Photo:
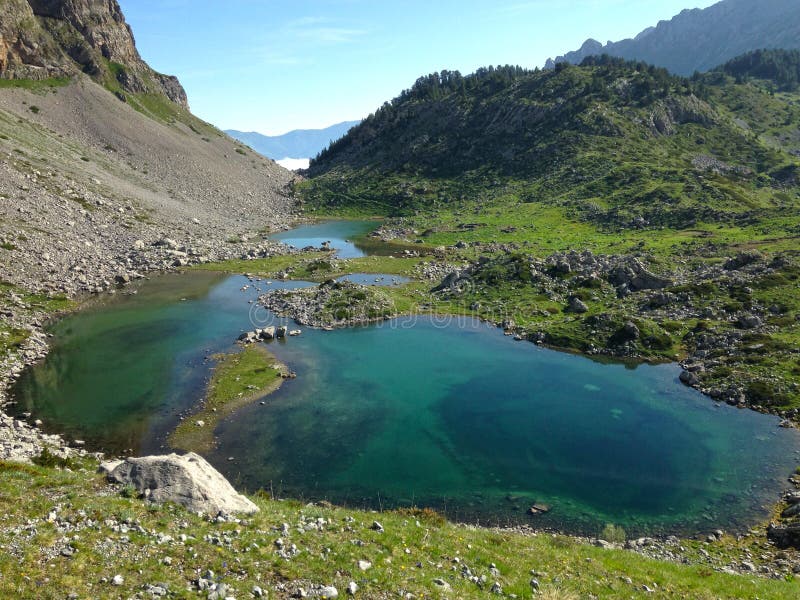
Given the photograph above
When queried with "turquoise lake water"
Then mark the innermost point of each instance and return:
(427, 412)
(438, 412)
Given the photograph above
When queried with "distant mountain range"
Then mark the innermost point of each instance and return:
(297, 144)
(699, 40)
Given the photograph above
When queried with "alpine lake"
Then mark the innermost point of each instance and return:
(428, 411)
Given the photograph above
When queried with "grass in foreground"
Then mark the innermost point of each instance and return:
(239, 379)
(96, 533)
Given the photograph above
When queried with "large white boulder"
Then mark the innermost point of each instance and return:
(187, 480)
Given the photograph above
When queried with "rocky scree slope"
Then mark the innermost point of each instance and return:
(91, 187)
(105, 176)
(698, 40)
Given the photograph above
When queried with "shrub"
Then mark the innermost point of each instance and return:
(48, 459)
(613, 533)
(427, 515)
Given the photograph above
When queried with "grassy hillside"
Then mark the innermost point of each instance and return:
(610, 142)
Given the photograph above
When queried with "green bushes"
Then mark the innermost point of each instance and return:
(613, 533)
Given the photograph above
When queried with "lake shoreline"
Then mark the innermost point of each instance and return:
(39, 355)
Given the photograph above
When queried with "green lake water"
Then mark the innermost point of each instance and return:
(429, 411)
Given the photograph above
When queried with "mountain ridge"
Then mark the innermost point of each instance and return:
(701, 39)
(298, 143)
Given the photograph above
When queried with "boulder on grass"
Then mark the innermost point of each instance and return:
(187, 480)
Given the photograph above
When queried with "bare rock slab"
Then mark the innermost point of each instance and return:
(188, 480)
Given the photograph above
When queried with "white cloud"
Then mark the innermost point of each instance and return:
(321, 30)
(293, 164)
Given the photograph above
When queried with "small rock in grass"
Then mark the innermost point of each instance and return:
(117, 580)
(328, 592)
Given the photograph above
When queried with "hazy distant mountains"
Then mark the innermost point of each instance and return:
(301, 143)
(699, 40)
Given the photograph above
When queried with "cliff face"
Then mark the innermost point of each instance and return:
(57, 38)
(699, 40)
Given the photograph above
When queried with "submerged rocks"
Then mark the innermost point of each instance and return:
(539, 509)
(186, 480)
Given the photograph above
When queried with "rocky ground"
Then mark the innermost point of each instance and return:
(331, 304)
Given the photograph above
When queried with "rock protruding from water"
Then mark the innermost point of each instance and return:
(784, 536)
(188, 480)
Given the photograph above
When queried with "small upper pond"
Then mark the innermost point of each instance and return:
(347, 237)
(426, 411)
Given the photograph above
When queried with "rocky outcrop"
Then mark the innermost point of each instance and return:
(187, 480)
(787, 536)
(57, 38)
(667, 115)
(26, 51)
(633, 276)
(331, 304)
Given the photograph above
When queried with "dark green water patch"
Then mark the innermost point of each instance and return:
(430, 412)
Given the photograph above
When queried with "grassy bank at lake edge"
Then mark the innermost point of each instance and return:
(239, 378)
(66, 531)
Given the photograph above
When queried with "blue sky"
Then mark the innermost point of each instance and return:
(276, 65)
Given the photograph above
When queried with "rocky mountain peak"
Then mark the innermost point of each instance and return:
(57, 38)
